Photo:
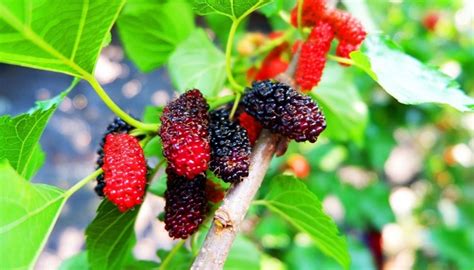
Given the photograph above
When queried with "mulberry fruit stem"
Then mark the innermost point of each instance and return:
(115, 108)
(236, 87)
(299, 17)
(341, 60)
(220, 101)
(82, 183)
(235, 106)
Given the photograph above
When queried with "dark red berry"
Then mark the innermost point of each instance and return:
(252, 126)
(186, 204)
(117, 126)
(125, 171)
(313, 56)
(184, 133)
(230, 147)
(281, 109)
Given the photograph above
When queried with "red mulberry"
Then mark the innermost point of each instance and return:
(312, 11)
(230, 148)
(281, 109)
(186, 204)
(125, 171)
(117, 126)
(313, 56)
(184, 133)
(348, 30)
(252, 126)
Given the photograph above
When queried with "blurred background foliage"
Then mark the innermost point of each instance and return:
(401, 187)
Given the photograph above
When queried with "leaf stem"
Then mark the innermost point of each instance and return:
(115, 108)
(82, 183)
(228, 56)
(341, 59)
(167, 260)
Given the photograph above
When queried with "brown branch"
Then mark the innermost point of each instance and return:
(228, 218)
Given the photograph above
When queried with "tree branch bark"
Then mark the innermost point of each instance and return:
(229, 216)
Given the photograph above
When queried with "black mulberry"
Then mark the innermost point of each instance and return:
(281, 109)
(230, 147)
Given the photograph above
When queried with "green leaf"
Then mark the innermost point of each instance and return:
(407, 79)
(28, 213)
(291, 199)
(152, 114)
(19, 136)
(197, 63)
(158, 187)
(110, 236)
(230, 8)
(342, 105)
(56, 35)
(150, 31)
(243, 255)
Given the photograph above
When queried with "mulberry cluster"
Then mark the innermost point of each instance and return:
(251, 125)
(327, 24)
(186, 204)
(125, 170)
(117, 126)
(313, 56)
(184, 133)
(230, 147)
(281, 109)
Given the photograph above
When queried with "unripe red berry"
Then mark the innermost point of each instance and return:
(313, 56)
(124, 171)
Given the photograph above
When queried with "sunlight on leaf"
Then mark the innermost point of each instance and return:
(57, 35)
(230, 8)
(28, 213)
(407, 79)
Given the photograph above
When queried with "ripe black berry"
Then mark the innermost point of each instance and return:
(281, 109)
(230, 147)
